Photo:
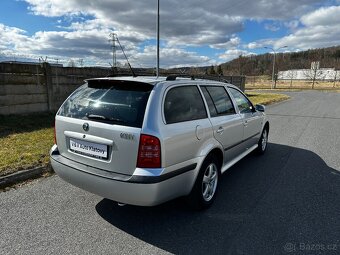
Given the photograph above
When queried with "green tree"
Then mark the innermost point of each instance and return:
(219, 70)
(336, 54)
(212, 70)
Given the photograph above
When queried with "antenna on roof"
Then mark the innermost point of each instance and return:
(157, 69)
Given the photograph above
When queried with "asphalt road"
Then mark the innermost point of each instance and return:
(285, 202)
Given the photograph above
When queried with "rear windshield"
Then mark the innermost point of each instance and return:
(114, 102)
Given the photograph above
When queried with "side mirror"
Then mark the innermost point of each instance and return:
(260, 107)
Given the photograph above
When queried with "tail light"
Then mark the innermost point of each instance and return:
(149, 152)
(55, 136)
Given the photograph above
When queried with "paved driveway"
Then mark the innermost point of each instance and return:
(285, 202)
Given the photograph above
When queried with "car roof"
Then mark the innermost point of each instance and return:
(153, 80)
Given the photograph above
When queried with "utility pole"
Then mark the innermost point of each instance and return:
(157, 69)
(114, 57)
(273, 73)
(114, 60)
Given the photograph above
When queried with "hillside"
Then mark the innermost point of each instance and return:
(262, 64)
(257, 65)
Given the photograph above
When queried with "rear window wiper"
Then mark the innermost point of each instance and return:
(104, 118)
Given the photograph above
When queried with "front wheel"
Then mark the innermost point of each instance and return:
(263, 142)
(204, 190)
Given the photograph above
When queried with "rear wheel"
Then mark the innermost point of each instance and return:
(263, 142)
(204, 191)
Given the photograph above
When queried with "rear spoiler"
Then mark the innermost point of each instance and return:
(118, 84)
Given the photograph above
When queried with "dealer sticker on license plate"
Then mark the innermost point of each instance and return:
(87, 148)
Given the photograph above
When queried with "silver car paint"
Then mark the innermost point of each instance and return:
(182, 144)
(67, 128)
(253, 124)
(126, 192)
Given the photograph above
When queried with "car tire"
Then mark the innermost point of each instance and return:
(263, 142)
(205, 188)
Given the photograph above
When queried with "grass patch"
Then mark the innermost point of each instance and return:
(265, 82)
(25, 141)
(275, 90)
(266, 98)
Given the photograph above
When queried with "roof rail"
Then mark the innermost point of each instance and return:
(213, 78)
(173, 77)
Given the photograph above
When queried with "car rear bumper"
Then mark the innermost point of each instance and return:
(135, 190)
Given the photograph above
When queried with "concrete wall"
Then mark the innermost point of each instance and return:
(22, 89)
(27, 88)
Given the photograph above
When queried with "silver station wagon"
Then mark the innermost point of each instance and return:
(146, 140)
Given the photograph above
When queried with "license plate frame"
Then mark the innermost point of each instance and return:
(90, 149)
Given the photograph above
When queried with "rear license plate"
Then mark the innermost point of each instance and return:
(87, 148)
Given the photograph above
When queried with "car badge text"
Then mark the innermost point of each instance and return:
(127, 136)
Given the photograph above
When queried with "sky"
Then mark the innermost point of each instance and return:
(193, 32)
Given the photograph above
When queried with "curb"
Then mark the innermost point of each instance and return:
(23, 175)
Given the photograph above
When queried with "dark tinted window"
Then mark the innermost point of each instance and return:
(221, 99)
(183, 104)
(242, 102)
(212, 108)
(115, 102)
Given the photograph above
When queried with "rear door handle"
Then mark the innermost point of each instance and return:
(245, 122)
(220, 130)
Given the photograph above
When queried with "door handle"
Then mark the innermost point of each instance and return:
(245, 122)
(220, 130)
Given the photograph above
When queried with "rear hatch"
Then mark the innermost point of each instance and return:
(99, 125)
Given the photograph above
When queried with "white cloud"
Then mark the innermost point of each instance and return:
(169, 57)
(326, 16)
(93, 44)
(183, 24)
(253, 45)
(191, 22)
(10, 35)
(311, 37)
(321, 29)
(231, 44)
(271, 27)
(316, 29)
(292, 25)
(260, 44)
(53, 8)
(268, 9)
(232, 54)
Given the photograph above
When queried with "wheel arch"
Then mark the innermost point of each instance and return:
(218, 154)
(266, 125)
(194, 198)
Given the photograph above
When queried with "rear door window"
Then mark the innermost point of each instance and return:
(109, 101)
(218, 100)
(183, 104)
(211, 105)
